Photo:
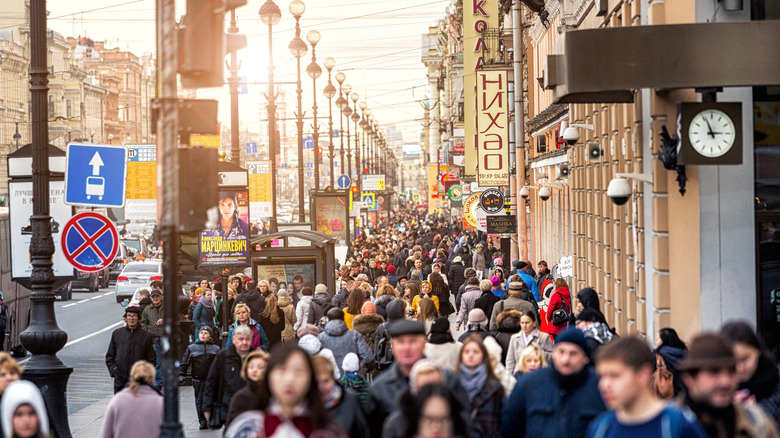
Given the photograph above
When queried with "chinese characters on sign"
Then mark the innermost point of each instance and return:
(492, 129)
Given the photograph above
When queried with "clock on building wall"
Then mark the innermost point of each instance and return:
(710, 133)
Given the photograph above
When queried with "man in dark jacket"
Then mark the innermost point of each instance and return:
(128, 345)
(152, 322)
(456, 276)
(321, 303)
(224, 377)
(144, 299)
(560, 400)
(340, 299)
(253, 299)
(200, 355)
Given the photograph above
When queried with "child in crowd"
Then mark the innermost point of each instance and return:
(531, 358)
(352, 379)
(199, 355)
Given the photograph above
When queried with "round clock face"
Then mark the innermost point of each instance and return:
(711, 133)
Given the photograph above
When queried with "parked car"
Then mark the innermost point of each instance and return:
(91, 281)
(120, 260)
(137, 275)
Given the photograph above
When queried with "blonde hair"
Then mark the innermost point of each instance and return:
(387, 290)
(141, 372)
(8, 363)
(198, 292)
(257, 354)
(241, 306)
(529, 352)
(322, 365)
(270, 309)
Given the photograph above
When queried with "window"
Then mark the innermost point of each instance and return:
(69, 108)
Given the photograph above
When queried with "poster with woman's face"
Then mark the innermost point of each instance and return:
(228, 242)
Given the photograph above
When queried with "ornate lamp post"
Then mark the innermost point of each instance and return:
(314, 71)
(270, 14)
(17, 136)
(299, 48)
(364, 130)
(347, 111)
(329, 92)
(355, 119)
(340, 104)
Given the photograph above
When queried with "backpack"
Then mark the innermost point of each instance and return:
(383, 357)
(560, 315)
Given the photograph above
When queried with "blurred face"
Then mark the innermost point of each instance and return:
(325, 384)
(620, 385)
(25, 421)
(131, 319)
(471, 355)
(263, 286)
(207, 294)
(226, 208)
(408, 349)
(568, 358)
(424, 288)
(290, 380)
(713, 387)
(578, 308)
(747, 360)
(418, 263)
(203, 284)
(236, 282)
(255, 369)
(242, 316)
(6, 378)
(298, 284)
(435, 419)
(527, 324)
(243, 343)
(532, 363)
(204, 336)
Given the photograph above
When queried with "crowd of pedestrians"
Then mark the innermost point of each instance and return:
(433, 332)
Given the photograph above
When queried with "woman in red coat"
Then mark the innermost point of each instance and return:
(561, 298)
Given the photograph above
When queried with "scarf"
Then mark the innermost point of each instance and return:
(207, 303)
(334, 397)
(473, 381)
(764, 380)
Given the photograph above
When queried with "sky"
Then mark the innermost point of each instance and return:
(376, 43)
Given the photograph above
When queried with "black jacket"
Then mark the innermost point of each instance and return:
(245, 399)
(199, 356)
(273, 331)
(320, 304)
(223, 381)
(340, 299)
(126, 348)
(254, 300)
(145, 302)
(486, 303)
(456, 277)
(350, 416)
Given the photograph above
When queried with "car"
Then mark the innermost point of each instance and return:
(137, 274)
(121, 258)
(91, 281)
(136, 245)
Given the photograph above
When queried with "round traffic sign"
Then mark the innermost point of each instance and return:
(491, 200)
(89, 241)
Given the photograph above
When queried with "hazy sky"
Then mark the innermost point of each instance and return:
(375, 42)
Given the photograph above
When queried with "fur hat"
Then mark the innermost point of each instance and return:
(470, 272)
(320, 289)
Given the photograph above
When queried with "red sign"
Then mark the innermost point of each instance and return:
(89, 241)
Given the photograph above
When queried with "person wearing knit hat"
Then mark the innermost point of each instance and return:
(352, 379)
(535, 402)
(477, 325)
(24, 397)
(441, 347)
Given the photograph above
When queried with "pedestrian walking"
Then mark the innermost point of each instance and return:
(670, 352)
(224, 378)
(529, 334)
(559, 309)
(513, 300)
(140, 401)
(252, 297)
(354, 304)
(384, 296)
(441, 347)
(303, 308)
(199, 356)
(340, 340)
(285, 303)
(242, 318)
(23, 412)
(484, 390)
(128, 345)
(152, 322)
(341, 402)
(204, 313)
(434, 414)
(471, 291)
(252, 371)
(367, 323)
(272, 319)
(477, 325)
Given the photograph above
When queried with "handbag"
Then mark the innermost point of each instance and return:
(215, 420)
(560, 315)
(662, 380)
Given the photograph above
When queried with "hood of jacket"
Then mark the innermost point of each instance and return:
(509, 321)
(251, 294)
(367, 319)
(250, 323)
(673, 356)
(472, 288)
(589, 298)
(384, 300)
(285, 301)
(395, 310)
(320, 299)
(336, 328)
(598, 332)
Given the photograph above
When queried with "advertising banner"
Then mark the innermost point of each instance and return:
(492, 128)
(332, 216)
(433, 186)
(259, 188)
(21, 208)
(141, 204)
(228, 243)
(290, 276)
(479, 16)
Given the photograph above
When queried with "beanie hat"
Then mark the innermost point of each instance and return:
(576, 337)
(708, 350)
(457, 259)
(335, 313)
(208, 329)
(368, 308)
(520, 265)
(498, 261)
(477, 316)
(440, 325)
(588, 315)
(350, 364)
(390, 269)
(470, 272)
(310, 344)
(282, 293)
(495, 281)
(395, 310)
(321, 289)
(308, 329)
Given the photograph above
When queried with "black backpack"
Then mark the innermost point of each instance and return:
(383, 357)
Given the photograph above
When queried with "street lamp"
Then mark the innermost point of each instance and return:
(110, 138)
(17, 136)
(340, 104)
(347, 111)
(363, 129)
(355, 119)
(329, 92)
(314, 71)
(270, 14)
(299, 48)
(92, 136)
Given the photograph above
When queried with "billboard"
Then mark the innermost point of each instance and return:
(228, 242)
(259, 188)
(492, 128)
(291, 276)
(141, 194)
(332, 215)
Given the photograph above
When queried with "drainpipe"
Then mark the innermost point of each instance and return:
(517, 47)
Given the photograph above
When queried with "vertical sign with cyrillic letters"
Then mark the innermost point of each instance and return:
(478, 17)
(492, 128)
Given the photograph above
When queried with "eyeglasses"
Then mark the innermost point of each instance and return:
(441, 422)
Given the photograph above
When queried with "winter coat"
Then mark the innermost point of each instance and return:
(126, 347)
(254, 300)
(273, 331)
(348, 317)
(512, 302)
(561, 297)
(302, 312)
(125, 409)
(367, 326)
(486, 301)
(348, 413)
(517, 344)
(149, 319)
(478, 261)
(544, 403)
(199, 356)
(204, 316)
(243, 400)
(320, 304)
(531, 283)
(340, 340)
(381, 305)
(508, 325)
(456, 277)
(259, 338)
(446, 354)
(288, 334)
(597, 334)
(392, 279)
(764, 385)
(223, 381)
(467, 300)
(144, 303)
(340, 299)
(486, 410)
(256, 423)
(416, 302)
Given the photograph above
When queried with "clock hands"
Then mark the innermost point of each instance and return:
(709, 128)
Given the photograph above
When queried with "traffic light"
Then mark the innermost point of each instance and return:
(354, 189)
(198, 191)
(203, 43)
(319, 155)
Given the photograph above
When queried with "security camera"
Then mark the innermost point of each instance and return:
(571, 135)
(525, 193)
(545, 193)
(619, 191)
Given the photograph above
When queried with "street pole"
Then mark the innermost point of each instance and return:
(355, 119)
(340, 103)
(235, 151)
(329, 92)
(314, 72)
(270, 14)
(522, 227)
(299, 49)
(167, 145)
(43, 337)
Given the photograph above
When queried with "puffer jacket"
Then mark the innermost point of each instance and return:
(381, 305)
(340, 340)
(467, 303)
(199, 356)
(302, 311)
(288, 334)
(320, 304)
(367, 325)
(254, 300)
(456, 277)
